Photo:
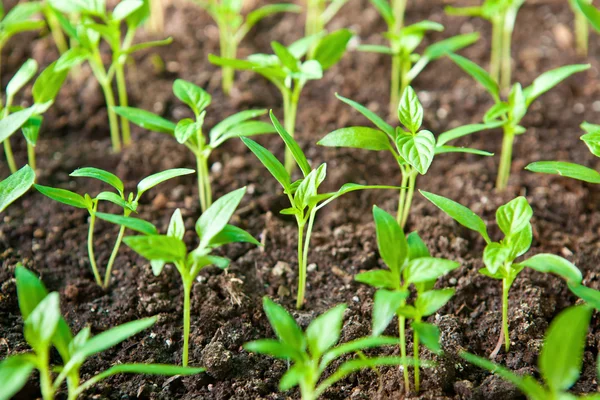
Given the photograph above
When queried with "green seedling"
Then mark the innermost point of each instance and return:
(407, 64)
(313, 350)
(499, 257)
(303, 194)
(29, 119)
(286, 70)
(413, 149)
(189, 132)
(319, 13)
(129, 204)
(233, 27)
(409, 263)
(15, 186)
(46, 328)
(93, 23)
(213, 231)
(559, 362)
(502, 14)
(511, 112)
(583, 10)
(156, 21)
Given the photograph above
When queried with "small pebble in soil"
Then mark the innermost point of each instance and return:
(578, 108)
(281, 268)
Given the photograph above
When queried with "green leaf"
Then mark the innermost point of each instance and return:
(273, 348)
(71, 58)
(459, 213)
(31, 129)
(592, 141)
(497, 113)
(429, 335)
(14, 374)
(192, 95)
(135, 224)
(550, 263)
(233, 120)
(346, 188)
(431, 301)
(416, 247)
(549, 79)
(379, 278)
(495, 255)
(332, 47)
(292, 145)
(125, 8)
(591, 13)
(357, 137)
(589, 295)
(215, 218)
(185, 129)
(374, 48)
(148, 45)
(146, 119)
(41, 324)
(104, 176)
(270, 162)
(410, 110)
(14, 122)
(428, 268)
(324, 331)
(20, 79)
(285, 327)
(292, 377)
(158, 247)
(233, 63)
(465, 130)
(452, 149)
(371, 116)
(450, 45)
(262, 12)
(385, 305)
(385, 10)
(286, 58)
(232, 234)
(309, 186)
(514, 216)
(150, 181)
(115, 199)
(417, 150)
(48, 84)
(562, 353)
(249, 128)
(567, 169)
(176, 226)
(15, 186)
(65, 196)
(391, 241)
(360, 344)
(479, 74)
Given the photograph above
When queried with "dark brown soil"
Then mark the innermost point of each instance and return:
(226, 306)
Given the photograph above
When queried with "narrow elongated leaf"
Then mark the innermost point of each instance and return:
(14, 374)
(379, 278)
(232, 234)
(549, 79)
(360, 344)
(385, 305)
(479, 74)
(428, 268)
(514, 216)
(429, 335)
(233, 120)
(263, 12)
(114, 336)
(391, 241)
(192, 95)
(41, 324)
(410, 110)
(416, 247)
(332, 48)
(358, 137)
(135, 224)
(270, 162)
(15, 186)
(233, 63)
(146, 119)
(550, 263)
(326, 198)
(292, 377)
(125, 8)
(385, 10)
(374, 48)
(570, 170)
(285, 327)
(20, 79)
(592, 141)
(370, 115)
(104, 176)
(292, 145)
(324, 331)
(465, 130)
(115, 199)
(160, 177)
(48, 83)
(450, 45)
(273, 348)
(417, 150)
(148, 369)
(591, 13)
(250, 128)
(64, 196)
(14, 122)
(452, 149)
(148, 45)
(215, 218)
(157, 247)
(286, 58)
(589, 295)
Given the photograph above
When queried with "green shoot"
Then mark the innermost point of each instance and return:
(403, 42)
(581, 11)
(510, 113)
(213, 231)
(15, 186)
(93, 23)
(129, 204)
(319, 13)
(409, 263)
(28, 120)
(559, 362)
(499, 257)
(233, 27)
(502, 14)
(156, 21)
(413, 150)
(313, 350)
(286, 70)
(52, 17)
(303, 194)
(45, 328)
(189, 132)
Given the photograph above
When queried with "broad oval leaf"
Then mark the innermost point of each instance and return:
(391, 241)
(431, 301)
(192, 95)
(331, 48)
(185, 129)
(592, 141)
(146, 119)
(514, 216)
(385, 305)
(14, 374)
(428, 268)
(20, 79)
(285, 327)
(48, 83)
(567, 169)
(417, 150)
(324, 331)
(215, 218)
(160, 177)
(41, 324)
(429, 335)
(135, 224)
(15, 186)
(379, 278)
(64, 196)
(100, 174)
(14, 122)
(550, 263)
(158, 247)
(358, 137)
(410, 110)
(495, 256)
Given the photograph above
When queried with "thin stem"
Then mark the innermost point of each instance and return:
(402, 336)
(313, 25)
(395, 83)
(228, 50)
(45, 376)
(497, 24)
(123, 102)
(157, 16)
(412, 178)
(201, 185)
(10, 158)
(404, 81)
(207, 188)
(113, 255)
(505, 158)
(505, 288)
(301, 268)
(31, 156)
(416, 358)
(509, 23)
(290, 109)
(402, 198)
(56, 31)
(187, 293)
(582, 32)
(109, 97)
(91, 245)
(399, 10)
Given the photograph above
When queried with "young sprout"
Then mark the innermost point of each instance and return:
(213, 231)
(319, 13)
(233, 27)
(403, 42)
(156, 22)
(29, 120)
(502, 14)
(93, 23)
(413, 150)
(189, 132)
(559, 362)
(45, 328)
(128, 203)
(15, 186)
(313, 350)
(499, 257)
(289, 74)
(582, 26)
(409, 263)
(510, 112)
(303, 194)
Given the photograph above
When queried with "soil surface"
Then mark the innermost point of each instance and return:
(50, 238)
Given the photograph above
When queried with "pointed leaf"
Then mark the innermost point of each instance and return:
(379, 278)
(417, 150)
(232, 234)
(495, 256)
(135, 224)
(15, 186)
(20, 79)
(410, 110)
(64, 196)
(114, 336)
(157, 247)
(358, 137)
(550, 263)
(324, 331)
(429, 335)
(41, 324)
(192, 95)
(479, 74)
(14, 122)
(233, 120)
(104, 176)
(146, 119)
(428, 268)
(150, 181)
(514, 216)
(567, 169)
(270, 162)
(285, 327)
(592, 141)
(292, 145)
(549, 79)
(385, 305)
(371, 116)
(331, 48)
(216, 217)
(428, 303)
(14, 374)
(390, 240)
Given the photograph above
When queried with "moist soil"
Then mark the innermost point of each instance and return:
(50, 238)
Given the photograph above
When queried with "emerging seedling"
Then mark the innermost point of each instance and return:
(502, 14)
(89, 22)
(15, 186)
(409, 263)
(403, 42)
(286, 70)
(319, 13)
(581, 12)
(510, 113)
(45, 328)
(559, 362)
(413, 149)
(213, 231)
(189, 132)
(303, 194)
(29, 120)
(499, 257)
(128, 203)
(233, 27)
(312, 351)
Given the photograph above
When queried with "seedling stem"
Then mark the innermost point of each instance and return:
(505, 158)
(506, 284)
